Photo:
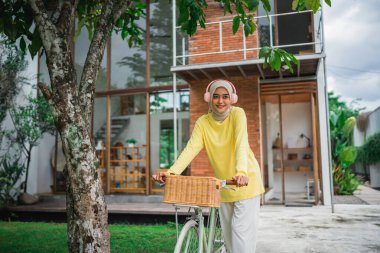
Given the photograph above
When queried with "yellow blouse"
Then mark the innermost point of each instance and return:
(228, 151)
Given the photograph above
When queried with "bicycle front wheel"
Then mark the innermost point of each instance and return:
(188, 240)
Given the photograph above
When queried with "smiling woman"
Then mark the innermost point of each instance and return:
(223, 133)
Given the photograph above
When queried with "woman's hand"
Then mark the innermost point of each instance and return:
(241, 180)
(160, 177)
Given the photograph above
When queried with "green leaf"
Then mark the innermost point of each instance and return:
(22, 44)
(253, 4)
(294, 5)
(235, 24)
(252, 25)
(328, 2)
(239, 8)
(80, 26)
(266, 5)
(227, 7)
(349, 126)
(313, 5)
(183, 12)
(120, 23)
(247, 30)
(333, 119)
(124, 33)
(348, 155)
(264, 52)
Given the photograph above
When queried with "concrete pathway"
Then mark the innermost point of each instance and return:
(369, 195)
(351, 229)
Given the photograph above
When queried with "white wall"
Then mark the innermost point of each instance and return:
(296, 119)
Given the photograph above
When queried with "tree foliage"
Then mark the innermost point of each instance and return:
(342, 120)
(11, 64)
(191, 15)
(31, 122)
(369, 152)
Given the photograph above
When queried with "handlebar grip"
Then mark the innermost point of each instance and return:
(230, 182)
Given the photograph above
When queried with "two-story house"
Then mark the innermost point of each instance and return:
(148, 98)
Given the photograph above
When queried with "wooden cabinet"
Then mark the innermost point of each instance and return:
(127, 170)
(296, 160)
(294, 170)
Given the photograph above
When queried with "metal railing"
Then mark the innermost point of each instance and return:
(317, 43)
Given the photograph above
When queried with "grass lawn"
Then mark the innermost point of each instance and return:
(38, 237)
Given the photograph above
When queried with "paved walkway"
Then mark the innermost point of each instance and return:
(369, 195)
(350, 229)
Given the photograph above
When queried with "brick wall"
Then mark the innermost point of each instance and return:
(208, 40)
(247, 90)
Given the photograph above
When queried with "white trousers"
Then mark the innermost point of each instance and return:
(239, 221)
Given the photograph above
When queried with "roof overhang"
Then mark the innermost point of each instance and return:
(308, 66)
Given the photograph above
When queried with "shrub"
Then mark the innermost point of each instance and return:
(10, 185)
(369, 152)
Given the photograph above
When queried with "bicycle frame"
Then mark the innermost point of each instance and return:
(205, 236)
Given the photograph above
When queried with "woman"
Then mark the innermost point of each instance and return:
(223, 133)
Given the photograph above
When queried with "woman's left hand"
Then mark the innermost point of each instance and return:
(241, 180)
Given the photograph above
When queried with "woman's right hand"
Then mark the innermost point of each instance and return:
(160, 177)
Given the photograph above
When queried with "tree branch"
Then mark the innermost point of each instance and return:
(94, 57)
(119, 9)
(57, 12)
(46, 28)
(66, 18)
(45, 91)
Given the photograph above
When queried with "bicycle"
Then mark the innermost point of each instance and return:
(194, 236)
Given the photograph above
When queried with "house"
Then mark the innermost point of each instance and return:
(368, 123)
(147, 103)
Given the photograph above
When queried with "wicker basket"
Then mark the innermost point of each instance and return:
(189, 190)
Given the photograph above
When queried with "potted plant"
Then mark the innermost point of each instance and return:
(131, 142)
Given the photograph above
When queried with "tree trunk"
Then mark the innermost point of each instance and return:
(71, 105)
(87, 216)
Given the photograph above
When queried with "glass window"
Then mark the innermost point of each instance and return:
(127, 171)
(163, 102)
(266, 32)
(162, 127)
(128, 63)
(161, 43)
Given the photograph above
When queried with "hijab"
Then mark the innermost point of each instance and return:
(215, 114)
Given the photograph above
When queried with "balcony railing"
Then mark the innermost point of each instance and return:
(269, 33)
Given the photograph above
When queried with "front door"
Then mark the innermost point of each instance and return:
(290, 156)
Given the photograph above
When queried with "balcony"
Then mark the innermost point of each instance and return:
(215, 52)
